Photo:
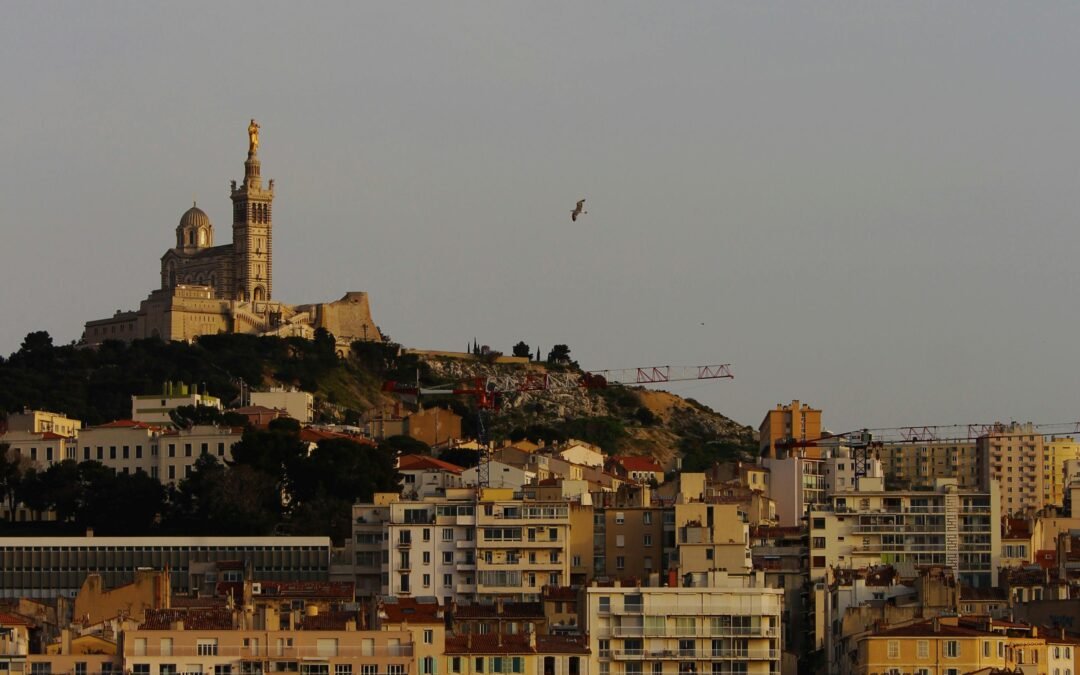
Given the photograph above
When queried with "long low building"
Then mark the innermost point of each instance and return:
(49, 567)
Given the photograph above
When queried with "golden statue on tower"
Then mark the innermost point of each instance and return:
(253, 137)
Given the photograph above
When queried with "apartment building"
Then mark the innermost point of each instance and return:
(41, 448)
(796, 484)
(299, 405)
(127, 446)
(730, 624)
(710, 537)
(1030, 468)
(43, 421)
(628, 534)
(918, 465)
(50, 567)
(521, 546)
(222, 641)
(156, 408)
(796, 421)
(942, 646)
(959, 529)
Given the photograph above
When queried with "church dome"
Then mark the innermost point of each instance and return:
(194, 218)
(194, 230)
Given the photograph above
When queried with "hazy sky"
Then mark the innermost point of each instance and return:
(872, 207)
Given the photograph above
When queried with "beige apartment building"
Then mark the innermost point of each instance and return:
(218, 641)
(710, 537)
(919, 465)
(729, 624)
(628, 531)
(155, 408)
(796, 421)
(1029, 467)
(43, 421)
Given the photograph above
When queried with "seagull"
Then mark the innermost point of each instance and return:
(578, 211)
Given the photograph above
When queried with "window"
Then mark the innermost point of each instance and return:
(986, 648)
(138, 452)
(187, 449)
(80, 668)
(429, 636)
(952, 649)
(221, 449)
(427, 534)
(140, 669)
(818, 542)
(604, 607)
(172, 472)
(448, 557)
(172, 450)
(427, 581)
(167, 669)
(206, 646)
(923, 649)
(646, 518)
(222, 669)
(427, 557)
(448, 534)
(894, 649)
(647, 541)
(427, 665)
(478, 664)
(455, 664)
(620, 562)
(447, 580)
(620, 517)
(343, 669)
(819, 523)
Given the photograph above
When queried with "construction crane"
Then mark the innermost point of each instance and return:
(487, 392)
(861, 441)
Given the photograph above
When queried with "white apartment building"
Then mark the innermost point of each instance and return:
(460, 548)
(127, 446)
(729, 624)
(959, 529)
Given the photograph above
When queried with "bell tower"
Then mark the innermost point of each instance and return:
(252, 229)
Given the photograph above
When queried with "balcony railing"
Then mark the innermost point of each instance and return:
(272, 651)
(696, 654)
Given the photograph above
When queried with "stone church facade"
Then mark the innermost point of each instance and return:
(208, 289)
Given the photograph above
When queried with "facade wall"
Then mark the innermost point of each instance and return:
(300, 405)
(633, 542)
(664, 630)
(43, 421)
(50, 567)
(796, 421)
(913, 465)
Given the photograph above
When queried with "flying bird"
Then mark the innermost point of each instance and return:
(579, 210)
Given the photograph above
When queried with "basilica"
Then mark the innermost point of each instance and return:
(228, 288)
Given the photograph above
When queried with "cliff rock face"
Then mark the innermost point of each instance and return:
(647, 421)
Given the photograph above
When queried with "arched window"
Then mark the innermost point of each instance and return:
(191, 237)
(258, 294)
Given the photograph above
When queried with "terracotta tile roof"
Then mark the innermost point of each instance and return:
(560, 593)
(1015, 528)
(926, 629)
(423, 462)
(50, 436)
(510, 610)
(562, 644)
(194, 619)
(188, 602)
(126, 424)
(330, 621)
(490, 643)
(995, 594)
(411, 610)
(7, 619)
(634, 463)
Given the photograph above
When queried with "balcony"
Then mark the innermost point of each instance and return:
(269, 651)
(696, 655)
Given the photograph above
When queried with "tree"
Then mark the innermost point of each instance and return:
(12, 471)
(463, 457)
(522, 350)
(559, 355)
(187, 416)
(405, 445)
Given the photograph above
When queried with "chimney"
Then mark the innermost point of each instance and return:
(499, 606)
(89, 532)
(499, 634)
(468, 641)
(936, 624)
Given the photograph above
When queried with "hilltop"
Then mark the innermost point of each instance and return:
(96, 385)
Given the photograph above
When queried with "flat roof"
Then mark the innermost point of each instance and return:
(143, 542)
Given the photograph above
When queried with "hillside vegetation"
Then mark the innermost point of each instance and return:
(96, 385)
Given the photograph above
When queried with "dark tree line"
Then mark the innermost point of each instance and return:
(272, 485)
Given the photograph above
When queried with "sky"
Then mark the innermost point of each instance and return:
(869, 207)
